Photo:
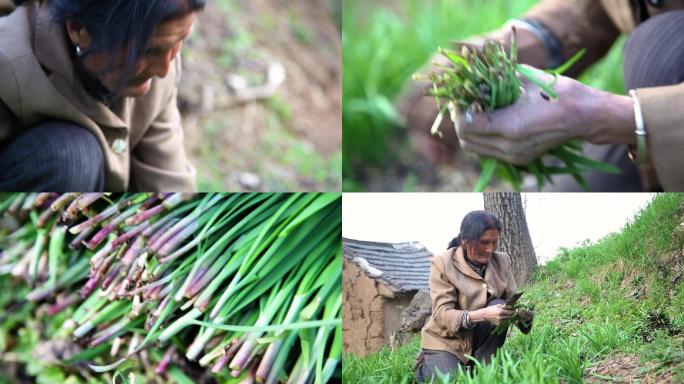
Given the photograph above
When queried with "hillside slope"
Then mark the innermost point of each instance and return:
(610, 311)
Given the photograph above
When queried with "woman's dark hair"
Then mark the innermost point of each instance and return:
(115, 24)
(475, 224)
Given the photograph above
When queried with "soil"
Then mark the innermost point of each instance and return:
(627, 368)
(289, 137)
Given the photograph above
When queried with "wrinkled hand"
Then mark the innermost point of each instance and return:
(533, 125)
(496, 314)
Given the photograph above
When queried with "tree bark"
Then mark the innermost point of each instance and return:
(515, 236)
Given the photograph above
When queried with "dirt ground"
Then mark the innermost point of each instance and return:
(244, 129)
(622, 368)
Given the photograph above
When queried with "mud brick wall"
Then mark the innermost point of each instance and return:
(370, 311)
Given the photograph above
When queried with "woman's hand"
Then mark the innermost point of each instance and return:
(524, 315)
(495, 314)
(536, 123)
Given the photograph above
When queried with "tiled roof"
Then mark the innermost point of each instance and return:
(405, 267)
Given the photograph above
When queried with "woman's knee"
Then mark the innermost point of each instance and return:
(438, 362)
(654, 52)
(54, 156)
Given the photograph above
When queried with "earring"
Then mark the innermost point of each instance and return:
(79, 53)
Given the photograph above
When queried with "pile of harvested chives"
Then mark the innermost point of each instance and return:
(248, 284)
(474, 82)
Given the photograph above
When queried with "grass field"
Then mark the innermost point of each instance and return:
(385, 42)
(609, 311)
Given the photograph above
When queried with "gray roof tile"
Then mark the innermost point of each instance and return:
(405, 267)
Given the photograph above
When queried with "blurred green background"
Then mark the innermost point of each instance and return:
(383, 44)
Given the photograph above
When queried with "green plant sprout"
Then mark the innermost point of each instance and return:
(484, 81)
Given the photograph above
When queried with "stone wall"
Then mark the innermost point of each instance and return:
(392, 314)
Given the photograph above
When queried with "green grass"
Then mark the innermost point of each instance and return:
(584, 313)
(384, 43)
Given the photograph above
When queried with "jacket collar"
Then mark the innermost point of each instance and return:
(461, 265)
(52, 50)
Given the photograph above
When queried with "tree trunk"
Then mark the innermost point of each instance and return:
(515, 237)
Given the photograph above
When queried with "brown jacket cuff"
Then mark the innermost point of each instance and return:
(663, 118)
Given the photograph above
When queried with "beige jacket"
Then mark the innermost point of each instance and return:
(455, 287)
(38, 82)
(594, 25)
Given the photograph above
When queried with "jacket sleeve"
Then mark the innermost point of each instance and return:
(444, 295)
(664, 120)
(577, 24)
(159, 161)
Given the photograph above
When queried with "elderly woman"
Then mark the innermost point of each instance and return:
(88, 95)
(469, 284)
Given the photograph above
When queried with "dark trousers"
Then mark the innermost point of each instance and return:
(485, 345)
(53, 156)
(653, 56)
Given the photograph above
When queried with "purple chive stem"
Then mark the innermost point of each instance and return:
(156, 263)
(127, 236)
(166, 361)
(107, 229)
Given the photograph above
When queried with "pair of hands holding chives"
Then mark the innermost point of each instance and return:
(496, 314)
(536, 123)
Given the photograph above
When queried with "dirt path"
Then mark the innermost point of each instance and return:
(288, 141)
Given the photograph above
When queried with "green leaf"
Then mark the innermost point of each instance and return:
(488, 168)
(580, 180)
(88, 354)
(176, 374)
(531, 75)
(123, 363)
(568, 156)
(454, 57)
(50, 375)
(565, 66)
(72, 380)
(121, 374)
(34, 367)
(516, 178)
(3, 340)
(538, 173)
(268, 328)
(598, 165)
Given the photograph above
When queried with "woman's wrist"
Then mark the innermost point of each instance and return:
(476, 317)
(610, 118)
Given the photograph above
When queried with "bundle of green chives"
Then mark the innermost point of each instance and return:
(484, 81)
(506, 324)
(248, 285)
